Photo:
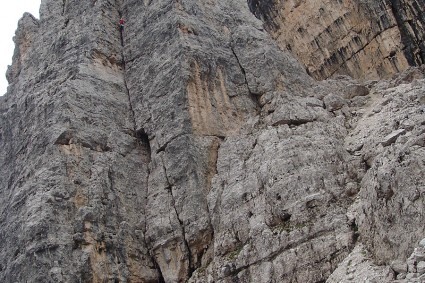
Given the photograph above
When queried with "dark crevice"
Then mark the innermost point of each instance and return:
(152, 258)
(253, 96)
(160, 276)
(124, 76)
(292, 123)
(111, 179)
(131, 60)
(216, 136)
(307, 266)
(164, 146)
(143, 140)
(122, 40)
(274, 254)
(410, 41)
(264, 10)
(65, 23)
(121, 29)
(91, 146)
(133, 119)
(366, 165)
(354, 227)
(63, 7)
(65, 137)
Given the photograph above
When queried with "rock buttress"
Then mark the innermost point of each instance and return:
(74, 173)
(199, 74)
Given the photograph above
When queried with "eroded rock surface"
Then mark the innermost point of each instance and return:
(364, 39)
(192, 148)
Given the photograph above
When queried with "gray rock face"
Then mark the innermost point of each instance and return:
(391, 190)
(191, 148)
(358, 267)
(74, 172)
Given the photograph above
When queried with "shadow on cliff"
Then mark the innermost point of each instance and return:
(264, 10)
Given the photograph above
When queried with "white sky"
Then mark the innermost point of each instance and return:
(10, 13)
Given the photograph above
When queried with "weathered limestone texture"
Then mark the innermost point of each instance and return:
(74, 172)
(391, 136)
(358, 267)
(192, 147)
(364, 39)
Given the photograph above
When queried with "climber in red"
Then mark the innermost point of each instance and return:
(122, 22)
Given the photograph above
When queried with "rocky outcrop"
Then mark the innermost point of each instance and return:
(366, 39)
(414, 269)
(191, 148)
(392, 150)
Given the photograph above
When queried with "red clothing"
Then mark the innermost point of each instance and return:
(122, 22)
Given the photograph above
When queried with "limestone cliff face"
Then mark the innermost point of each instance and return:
(193, 147)
(364, 39)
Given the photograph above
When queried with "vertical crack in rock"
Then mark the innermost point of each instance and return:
(253, 96)
(143, 140)
(145, 228)
(242, 69)
(121, 35)
(191, 268)
(63, 7)
(133, 119)
(186, 243)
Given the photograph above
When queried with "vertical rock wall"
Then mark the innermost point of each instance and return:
(74, 170)
(192, 148)
(367, 39)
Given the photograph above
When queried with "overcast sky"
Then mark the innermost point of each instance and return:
(10, 12)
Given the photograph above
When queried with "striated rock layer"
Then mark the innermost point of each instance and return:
(364, 39)
(192, 147)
